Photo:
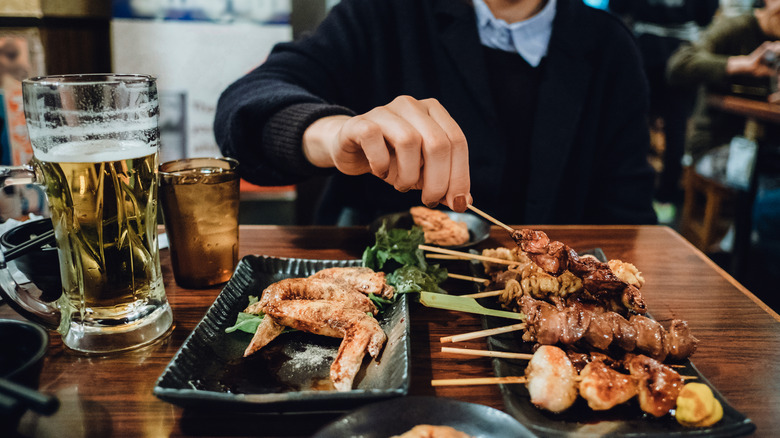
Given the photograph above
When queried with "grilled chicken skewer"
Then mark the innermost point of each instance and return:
(555, 257)
(574, 322)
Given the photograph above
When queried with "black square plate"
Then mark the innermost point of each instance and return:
(289, 374)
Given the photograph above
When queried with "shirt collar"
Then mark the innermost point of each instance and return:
(529, 38)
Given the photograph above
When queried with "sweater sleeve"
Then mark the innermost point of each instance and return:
(260, 118)
(705, 61)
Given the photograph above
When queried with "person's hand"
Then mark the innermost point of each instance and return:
(754, 64)
(768, 18)
(408, 143)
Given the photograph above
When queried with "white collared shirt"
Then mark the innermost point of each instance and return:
(529, 38)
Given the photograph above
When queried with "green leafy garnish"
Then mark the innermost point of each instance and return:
(397, 253)
(409, 279)
(247, 322)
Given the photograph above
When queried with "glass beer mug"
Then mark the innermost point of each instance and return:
(95, 141)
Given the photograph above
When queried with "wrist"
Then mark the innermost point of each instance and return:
(319, 138)
(736, 65)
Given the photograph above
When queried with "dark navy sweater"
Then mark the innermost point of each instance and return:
(586, 160)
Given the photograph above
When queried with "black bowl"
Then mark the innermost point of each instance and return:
(41, 266)
(24, 347)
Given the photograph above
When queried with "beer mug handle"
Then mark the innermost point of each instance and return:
(34, 309)
(10, 175)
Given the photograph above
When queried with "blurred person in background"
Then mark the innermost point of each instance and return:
(660, 27)
(738, 54)
(532, 109)
(730, 58)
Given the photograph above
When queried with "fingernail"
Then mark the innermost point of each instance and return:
(433, 204)
(459, 203)
(385, 174)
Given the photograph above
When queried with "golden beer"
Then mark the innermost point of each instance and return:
(103, 196)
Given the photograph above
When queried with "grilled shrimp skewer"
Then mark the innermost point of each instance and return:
(553, 383)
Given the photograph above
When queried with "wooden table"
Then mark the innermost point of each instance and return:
(749, 108)
(739, 350)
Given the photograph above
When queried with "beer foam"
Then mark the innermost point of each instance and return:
(96, 151)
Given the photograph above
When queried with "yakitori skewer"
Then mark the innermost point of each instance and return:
(483, 281)
(479, 381)
(491, 218)
(483, 333)
(467, 255)
(470, 381)
(487, 353)
(444, 257)
(485, 294)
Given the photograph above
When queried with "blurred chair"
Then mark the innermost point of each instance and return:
(708, 210)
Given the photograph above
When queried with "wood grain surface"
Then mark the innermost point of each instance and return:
(111, 395)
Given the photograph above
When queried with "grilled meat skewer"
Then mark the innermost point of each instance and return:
(577, 323)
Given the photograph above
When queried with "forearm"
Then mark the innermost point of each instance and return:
(692, 65)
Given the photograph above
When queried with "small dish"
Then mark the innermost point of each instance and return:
(394, 417)
(24, 347)
(479, 229)
(40, 266)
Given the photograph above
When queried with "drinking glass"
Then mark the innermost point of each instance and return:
(199, 198)
(95, 142)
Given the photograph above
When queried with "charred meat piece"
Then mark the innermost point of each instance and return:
(650, 337)
(682, 343)
(604, 387)
(658, 385)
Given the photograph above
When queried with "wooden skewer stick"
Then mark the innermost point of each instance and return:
(479, 381)
(469, 278)
(487, 353)
(495, 380)
(445, 257)
(483, 333)
(487, 293)
(504, 355)
(491, 218)
(468, 256)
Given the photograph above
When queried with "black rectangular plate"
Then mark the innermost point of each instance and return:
(626, 420)
(209, 372)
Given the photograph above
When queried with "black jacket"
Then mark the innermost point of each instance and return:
(590, 140)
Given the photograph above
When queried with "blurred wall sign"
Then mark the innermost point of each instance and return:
(21, 56)
(195, 53)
